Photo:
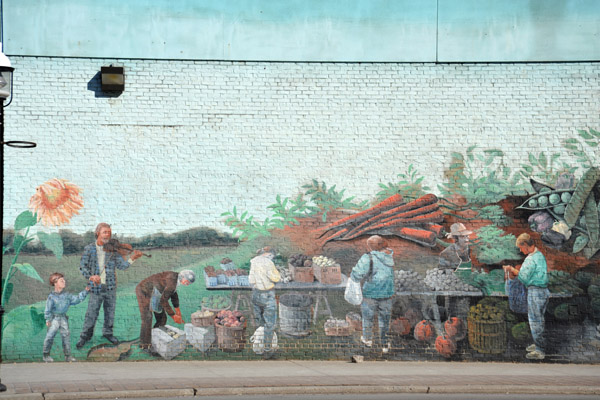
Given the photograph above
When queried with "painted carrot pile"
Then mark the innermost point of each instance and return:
(416, 221)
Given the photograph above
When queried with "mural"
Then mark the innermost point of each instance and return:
(502, 264)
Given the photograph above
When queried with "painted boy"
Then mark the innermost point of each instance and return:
(57, 305)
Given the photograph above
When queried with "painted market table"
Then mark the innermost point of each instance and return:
(316, 290)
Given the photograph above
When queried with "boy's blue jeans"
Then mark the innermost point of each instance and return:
(265, 313)
(59, 323)
(383, 308)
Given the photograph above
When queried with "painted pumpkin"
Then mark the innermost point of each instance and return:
(445, 346)
(424, 331)
(400, 326)
(455, 328)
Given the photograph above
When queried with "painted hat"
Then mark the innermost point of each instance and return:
(458, 229)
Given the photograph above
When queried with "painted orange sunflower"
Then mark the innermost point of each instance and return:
(56, 201)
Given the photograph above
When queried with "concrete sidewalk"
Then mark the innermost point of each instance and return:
(96, 380)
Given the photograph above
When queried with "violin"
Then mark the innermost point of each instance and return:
(124, 249)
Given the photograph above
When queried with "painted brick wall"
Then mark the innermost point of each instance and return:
(190, 140)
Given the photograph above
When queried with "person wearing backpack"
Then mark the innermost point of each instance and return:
(376, 270)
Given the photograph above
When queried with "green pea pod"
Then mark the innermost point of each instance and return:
(591, 217)
(580, 195)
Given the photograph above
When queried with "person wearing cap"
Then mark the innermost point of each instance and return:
(534, 275)
(377, 269)
(153, 295)
(262, 278)
(458, 254)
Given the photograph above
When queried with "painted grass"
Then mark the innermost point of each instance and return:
(21, 342)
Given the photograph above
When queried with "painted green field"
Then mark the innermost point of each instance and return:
(22, 339)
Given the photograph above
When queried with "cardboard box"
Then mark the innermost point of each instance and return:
(168, 341)
(200, 337)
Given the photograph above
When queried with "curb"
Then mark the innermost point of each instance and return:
(23, 396)
(309, 390)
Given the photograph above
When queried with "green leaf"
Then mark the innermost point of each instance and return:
(585, 135)
(25, 220)
(580, 242)
(572, 141)
(5, 249)
(571, 147)
(28, 270)
(18, 241)
(527, 168)
(9, 290)
(595, 132)
(542, 159)
(52, 242)
(37, 320)
(592, 144)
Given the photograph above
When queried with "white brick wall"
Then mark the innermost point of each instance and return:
(187, 141)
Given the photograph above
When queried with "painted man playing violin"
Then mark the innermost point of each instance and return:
(99, 267)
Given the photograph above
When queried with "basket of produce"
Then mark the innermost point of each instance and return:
(232, 278)
(210, 276)
(301, 269)
(355, 321)
(487, 329)
(326, 270)
(215, 303)
(230, 328)
(242, 276)
(203, 318)
(226, 264)
(337, 327)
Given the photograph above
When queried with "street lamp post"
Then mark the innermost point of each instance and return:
(6, 79)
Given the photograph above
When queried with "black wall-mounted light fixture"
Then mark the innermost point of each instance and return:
(112, 79)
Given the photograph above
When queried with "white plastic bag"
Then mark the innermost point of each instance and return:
(353, 293)
(258, 341)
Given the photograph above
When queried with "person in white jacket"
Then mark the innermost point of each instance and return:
(263, 276)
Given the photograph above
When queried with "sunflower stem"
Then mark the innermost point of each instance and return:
(10, 273)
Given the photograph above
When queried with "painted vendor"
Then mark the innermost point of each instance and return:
(263, 276)
(534, 275)
(153, 296)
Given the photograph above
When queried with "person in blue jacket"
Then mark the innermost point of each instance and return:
(377, 269)
(57, 305)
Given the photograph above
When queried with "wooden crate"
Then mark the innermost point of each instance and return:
(302, 274)
(328, 275)
(339, 330)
